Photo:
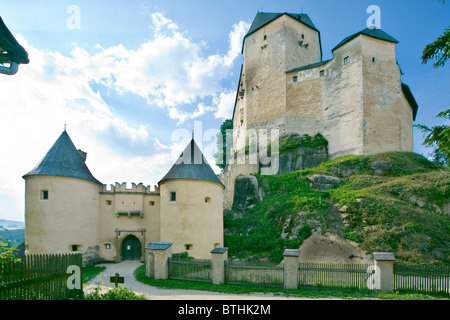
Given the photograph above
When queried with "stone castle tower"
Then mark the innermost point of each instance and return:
(356, 100)
(68, 210)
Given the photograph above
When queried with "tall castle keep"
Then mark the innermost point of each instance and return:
(356, 100)
(68, 210)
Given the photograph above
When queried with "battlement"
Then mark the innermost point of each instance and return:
(135, 188)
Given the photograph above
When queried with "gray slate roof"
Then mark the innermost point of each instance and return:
(374, 33)
(191, 165)
(63, 159)
(263, 18)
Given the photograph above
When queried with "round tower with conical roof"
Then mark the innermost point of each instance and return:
(62, 203)
(192, 205)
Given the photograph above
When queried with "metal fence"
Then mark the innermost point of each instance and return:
(422, 278)
(39, 277)
(256, 273)
(190, 269)
(335, 275)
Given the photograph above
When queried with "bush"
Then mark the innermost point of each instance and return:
(118, 293)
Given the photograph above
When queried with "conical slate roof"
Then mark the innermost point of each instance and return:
(191, 165)
(63, 159)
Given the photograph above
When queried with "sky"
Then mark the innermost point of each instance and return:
(130, 80)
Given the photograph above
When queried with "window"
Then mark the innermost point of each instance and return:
(373, 59)
(151, 203)
(74, 247)
(322, 73)
(44, 194)
(108, 202)
(207, 199)
(346, 59)
(265, 37)
(107, 245)
(188, 246)
(173, 196)
(294, 79)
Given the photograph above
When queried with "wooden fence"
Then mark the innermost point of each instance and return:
(39, 277)
(190, 269)
(256, 273)
(326, 275)
(422, 278)
(335, 275)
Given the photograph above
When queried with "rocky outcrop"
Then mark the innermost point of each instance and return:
(324, 182)
(246, 192)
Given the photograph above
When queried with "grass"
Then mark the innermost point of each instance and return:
(309, 293)
(394, 202)
(90, 272)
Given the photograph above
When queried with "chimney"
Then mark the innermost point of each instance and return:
(82, 154)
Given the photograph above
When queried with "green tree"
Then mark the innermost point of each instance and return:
(223, 136)
(439, 49)
(6, 250)
(438, 137)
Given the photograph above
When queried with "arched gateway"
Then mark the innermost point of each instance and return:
(131, 248)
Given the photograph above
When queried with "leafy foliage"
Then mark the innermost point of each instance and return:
(439, 49)
(438, 137)
(118, 293)
(224, 137)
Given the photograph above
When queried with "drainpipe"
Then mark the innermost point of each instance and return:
(13, 68)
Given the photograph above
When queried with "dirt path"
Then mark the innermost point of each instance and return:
(125, 269)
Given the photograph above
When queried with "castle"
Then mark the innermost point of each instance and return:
(356, 100)
(68, 210)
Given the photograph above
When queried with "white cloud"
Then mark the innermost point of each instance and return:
(169, 70)
(225, 104)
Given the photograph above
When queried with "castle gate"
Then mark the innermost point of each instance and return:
(131, 248)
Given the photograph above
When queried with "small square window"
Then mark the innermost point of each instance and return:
(44, 194)
(108, 246)
(108, 202)
(346, 59)
(173, 196)
(294, 79)
(74, 247)
(151, 203)
(322, 73)
(188, 246)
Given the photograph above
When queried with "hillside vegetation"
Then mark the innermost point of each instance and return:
(396, 202)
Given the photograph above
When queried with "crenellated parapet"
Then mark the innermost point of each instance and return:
(135, 189)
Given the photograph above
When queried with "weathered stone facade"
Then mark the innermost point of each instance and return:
(356, 100)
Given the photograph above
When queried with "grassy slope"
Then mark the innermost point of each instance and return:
(397, 210)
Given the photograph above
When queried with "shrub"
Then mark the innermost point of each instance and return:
(118, 293)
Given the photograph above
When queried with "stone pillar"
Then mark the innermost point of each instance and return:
(291, 263)
(384, 271)
(157, 255)
(218, 257)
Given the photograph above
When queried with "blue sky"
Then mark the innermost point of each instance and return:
(132, 78)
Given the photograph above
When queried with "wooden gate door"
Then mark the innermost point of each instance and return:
(131, 248)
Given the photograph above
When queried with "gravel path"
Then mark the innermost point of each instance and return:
(125, 269)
